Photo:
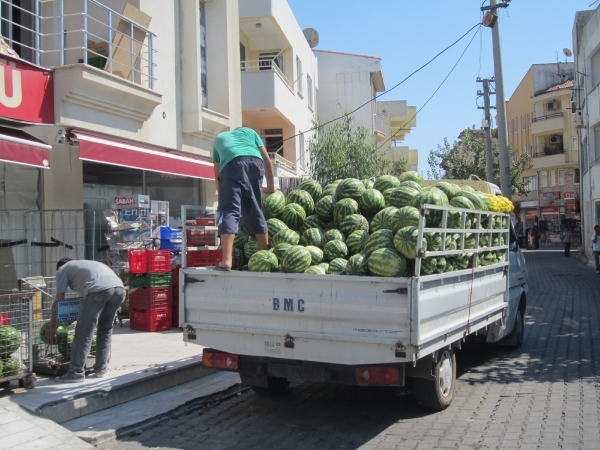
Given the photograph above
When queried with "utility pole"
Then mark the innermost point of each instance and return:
(492, 20)
(489, 157)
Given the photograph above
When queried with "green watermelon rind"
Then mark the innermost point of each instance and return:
(296, 260)
(335, 249)
(386, 262)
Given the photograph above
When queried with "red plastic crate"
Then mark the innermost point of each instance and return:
(175, 317)
(159, 261)
(150, 298)
(197, 238)
(206, 221)
(138, 261)
(175, 276)
(150, 319)
(201, 258)
(5, 318)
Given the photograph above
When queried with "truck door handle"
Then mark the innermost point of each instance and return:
(520, 278)
(397, 291)
(193, 280)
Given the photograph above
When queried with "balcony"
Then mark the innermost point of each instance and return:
(378, 127)
(548, 123)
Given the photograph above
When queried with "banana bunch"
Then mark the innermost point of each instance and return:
(499, 203)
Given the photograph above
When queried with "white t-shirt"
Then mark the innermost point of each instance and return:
(596, 247)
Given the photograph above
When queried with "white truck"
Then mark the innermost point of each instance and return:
(273, 328)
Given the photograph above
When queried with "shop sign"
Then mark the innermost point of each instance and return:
(67, 310)
(550, 210)
(569, 196)
(26, 91)
(551, 195)
(131, 201)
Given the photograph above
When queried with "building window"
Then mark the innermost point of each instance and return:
(530, 121)
(203, 68)
(309, 91)
(531, 151)
(510, 127)
(552, 178)
(243, 57)
(273, 139)
(515, 127)
(562, 177)
(301, 149)
(575, 176)
(575, 146)
(523, 123)
(531, 182)
(544, 179)
(299, 76)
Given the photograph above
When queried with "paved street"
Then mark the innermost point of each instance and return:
(544, 396)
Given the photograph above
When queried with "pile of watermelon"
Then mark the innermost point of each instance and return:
(10, 340)
(367, 227)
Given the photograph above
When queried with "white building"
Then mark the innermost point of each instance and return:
(279, 82)
(586, 48)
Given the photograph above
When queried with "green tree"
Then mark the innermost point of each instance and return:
(466, 157)
(345, 150)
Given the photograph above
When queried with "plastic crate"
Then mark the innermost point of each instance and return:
(150, 298)
(150, 280)
(159, 261)
(150, 319)
(138, 261)
(172, 245)
(5, 318)
(201, 237)
(174, 297)
(175, 317)
(175, 276)
(206, 221)
(170, 233)
(201, 258)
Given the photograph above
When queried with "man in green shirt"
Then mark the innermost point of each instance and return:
(241, 161)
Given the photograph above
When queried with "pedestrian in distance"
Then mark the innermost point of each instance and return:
(102, 293)
(240, 163)
(567, 235)
(596, 247)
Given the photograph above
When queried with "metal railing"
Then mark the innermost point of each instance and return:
(278, 159)
(58, 32)
(275, 64)
(548, 116)
(378, 124)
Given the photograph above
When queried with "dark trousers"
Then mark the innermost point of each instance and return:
(567, 248)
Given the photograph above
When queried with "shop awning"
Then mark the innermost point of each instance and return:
(18, 147)
(97, 149)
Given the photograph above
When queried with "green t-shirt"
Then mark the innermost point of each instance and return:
(242, 141)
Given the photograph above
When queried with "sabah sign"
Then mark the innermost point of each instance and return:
(26, 91)
(67, 310)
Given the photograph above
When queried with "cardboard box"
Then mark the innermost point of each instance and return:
(99, 48)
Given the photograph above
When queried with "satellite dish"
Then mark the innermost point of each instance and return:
(568, 53)
(312, 37)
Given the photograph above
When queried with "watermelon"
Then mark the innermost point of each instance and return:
(384, 219)
(356, 241)
(11, 367)
(450, 243)
(10, 340)
(473, 197)
(450, 265)
(1, 367)
(303, 199)
(460, 201)
(411, 176)
(273, 205)
(467, 188)
(331, 235)
(462, 261)
(280, 249)
(371, 202)
(428, 266)
(325, 266)
(358, 264)
(316, 270)
(411, 184)
(455, 220)
(470, 241)
(312, 236)
(288, 236)
(43, 338)
(402, 196)
(379, 239)
(448, 188)
(316, 254)
(387, 262)
(325, 207)
(250, 248)
(313, 222)
(387, 194)
(329, 190)
(293, 215)
(312, 187)
(405, 241)
(349, 188)
(385, 182)
(238, 259)
(344, 208)
(431, 196)
(263, 261)
(440, 266)
(434, 241)
(335, 249)
(485, 201)
(337, 266)
(275, 226)
(405, 217)
(368, 183)
(240, 239)
(296, 260)
(484, 240)
(352, 223)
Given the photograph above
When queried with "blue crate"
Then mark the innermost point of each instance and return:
(170, 244)
(170, 233)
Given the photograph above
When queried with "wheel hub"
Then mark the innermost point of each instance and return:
(445, 374)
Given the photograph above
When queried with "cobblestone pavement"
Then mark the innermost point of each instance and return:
(544, 396)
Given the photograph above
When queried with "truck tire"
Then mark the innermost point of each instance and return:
(515, 338)
(274, 386)
(437, 394)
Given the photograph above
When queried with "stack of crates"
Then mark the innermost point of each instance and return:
(170, 239)
(150, 299)
(200, 237)
(175, 296)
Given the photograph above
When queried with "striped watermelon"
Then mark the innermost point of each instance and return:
(405, 241)
(467, 188)
(358, 264)
(450, 265)
(440, 266)
(385, 182)
(462, 261)
(473, 197)
(240, 240)
(313, 222)
(462, 202)
(329, 190)
(316, 270)
(470, 241)
(296, 260)
(344, 208)
(368, 183)
(316, 254)
(431, 196)
(412, 176)
(450, 243)
(337, 266)
(349, 188)
(250, 248)
(285, 236)
(485, 201)
(448, 188)
(313, 188)
(263, 261)
(428, 266)
(356, 241)
(280, 249)
(386, 262)
(484, 239)
(293, 216)
(303, 199)
(379, 239)
(325, 266)
(352, 223)
(405, 217)
(312, 236)
(402, 196)
(411, 184)
(335, 249)
(434, 241)
(384, 219)
(324, 208)
(371, 202)
(273, 205)
(275, 226)
(238, 258)
(333, 235)
(387, 194)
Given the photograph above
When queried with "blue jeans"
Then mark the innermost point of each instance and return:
(97, 308)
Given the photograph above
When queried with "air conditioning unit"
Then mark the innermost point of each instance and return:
(556, 139)
(552, 106)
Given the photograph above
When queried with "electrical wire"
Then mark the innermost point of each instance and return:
(434, 92)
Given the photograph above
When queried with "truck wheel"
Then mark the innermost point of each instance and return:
(274, 386)
(515, 338)
(437, 394)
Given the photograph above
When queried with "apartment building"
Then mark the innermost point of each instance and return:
(586, 49)
(280, 81)
(394, 120)
(541, 125)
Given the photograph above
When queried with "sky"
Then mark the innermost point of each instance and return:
(405, 34)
